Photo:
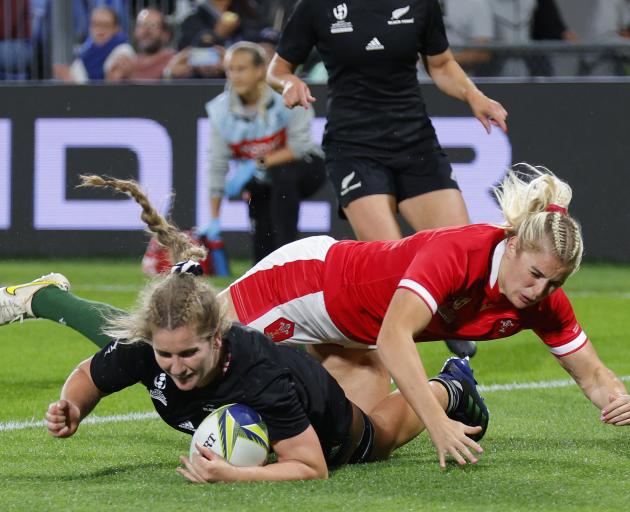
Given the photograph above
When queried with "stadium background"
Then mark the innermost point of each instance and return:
(157, 134)
(546, 449)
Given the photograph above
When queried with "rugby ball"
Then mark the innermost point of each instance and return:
(236, 432)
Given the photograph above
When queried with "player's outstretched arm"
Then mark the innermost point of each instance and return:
(298, 458)
(79, 396)
(281, 77)
(408, 315)
(599, 384)
(452, 80)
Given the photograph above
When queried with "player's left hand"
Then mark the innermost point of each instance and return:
(617, 412)
(488, 111)
(207, 466)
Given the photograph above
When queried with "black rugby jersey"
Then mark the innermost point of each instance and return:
(286, 386)
(370, 49)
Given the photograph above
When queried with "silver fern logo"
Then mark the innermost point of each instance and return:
(397, 16)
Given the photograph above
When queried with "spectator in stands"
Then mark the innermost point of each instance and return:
(105, 44)
(151, 38)
(204, 35)
(15, 32)
(520, 22)
(610, 20)
(225, 21)
(548, 24)
(82, 10)
(469, 22)
(203, 60)
(610, 23)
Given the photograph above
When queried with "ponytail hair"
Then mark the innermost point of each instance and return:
(535, 202)
(178, 244)
(172, 300)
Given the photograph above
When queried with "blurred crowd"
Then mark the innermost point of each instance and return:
(118, 40)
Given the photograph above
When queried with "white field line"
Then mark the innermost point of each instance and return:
(91, 420)
(517, 386)
(138, 416)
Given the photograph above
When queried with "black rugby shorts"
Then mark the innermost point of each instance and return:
(402, 177)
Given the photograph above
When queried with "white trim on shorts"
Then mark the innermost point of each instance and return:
(313, 324)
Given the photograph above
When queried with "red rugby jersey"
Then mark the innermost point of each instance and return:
(454, 271)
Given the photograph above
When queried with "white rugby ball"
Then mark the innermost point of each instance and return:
(236, 432)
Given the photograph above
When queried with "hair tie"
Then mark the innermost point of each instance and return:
(187, 267)
(557, 208)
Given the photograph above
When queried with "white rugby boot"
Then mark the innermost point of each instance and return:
(15, 301)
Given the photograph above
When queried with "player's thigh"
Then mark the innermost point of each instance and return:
(435, 209)
(359, 372)
(374, 218)
(428, 194)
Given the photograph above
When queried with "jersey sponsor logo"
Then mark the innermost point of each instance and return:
(255, 148)
(341, 25)
(345, 183)
(156, 394)
(460, 302)
(187, 425)
(397, 16)
(448, 312)
(208, 408)
(280, 330)
(374, 44)
(160, 381)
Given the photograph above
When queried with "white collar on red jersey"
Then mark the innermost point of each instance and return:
(499, 250)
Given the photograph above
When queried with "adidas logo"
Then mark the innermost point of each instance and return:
(374, 44)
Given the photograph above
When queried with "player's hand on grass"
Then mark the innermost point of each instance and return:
(488, 111)
(296, 92)
(617, 412)
(207, 466)
(451, 438)
(62, 418)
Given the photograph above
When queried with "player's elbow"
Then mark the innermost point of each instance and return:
(315, 472)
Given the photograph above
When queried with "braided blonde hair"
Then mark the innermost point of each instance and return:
(170, 301)
(534, 203)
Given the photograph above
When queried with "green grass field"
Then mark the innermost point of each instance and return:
(545, 449)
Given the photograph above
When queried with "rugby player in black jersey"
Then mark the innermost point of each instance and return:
(180, 346)
(382, 154)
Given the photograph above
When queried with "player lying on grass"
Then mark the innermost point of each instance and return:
(179, 344)
(474, 282)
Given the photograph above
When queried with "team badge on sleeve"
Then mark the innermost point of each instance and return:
(280, 330)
